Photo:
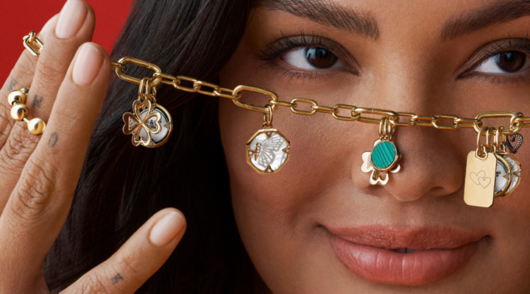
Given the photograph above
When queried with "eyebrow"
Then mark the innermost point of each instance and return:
(475, 20)
(327, 13)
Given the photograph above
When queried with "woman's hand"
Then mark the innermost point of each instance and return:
(38, 175)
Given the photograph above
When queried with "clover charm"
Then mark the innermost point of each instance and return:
(383, 159)
(150, 124)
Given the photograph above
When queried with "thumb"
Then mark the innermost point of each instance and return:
(138, 259)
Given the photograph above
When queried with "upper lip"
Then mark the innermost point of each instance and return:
(423, 238)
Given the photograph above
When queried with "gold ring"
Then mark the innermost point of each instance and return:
(19, 111)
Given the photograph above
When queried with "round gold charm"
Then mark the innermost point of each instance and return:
(150, 124)
(503, 176)
(166, 127)
(268, 151)
(508, 175)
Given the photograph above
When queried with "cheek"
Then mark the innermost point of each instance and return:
(321, 157)
(278, 214)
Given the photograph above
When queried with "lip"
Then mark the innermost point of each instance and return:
(439, 251)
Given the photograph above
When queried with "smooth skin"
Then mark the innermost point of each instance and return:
(282, 217)
(38, 175)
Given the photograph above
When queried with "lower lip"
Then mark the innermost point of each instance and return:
(407, 269)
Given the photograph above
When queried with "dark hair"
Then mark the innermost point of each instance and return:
(121, 186)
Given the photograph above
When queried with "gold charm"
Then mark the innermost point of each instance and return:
(149, 123)
(491, 172)
(268, 150)
(385, 156)
(508, 174)
(479, 188)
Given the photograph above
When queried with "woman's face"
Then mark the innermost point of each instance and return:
(318, 225)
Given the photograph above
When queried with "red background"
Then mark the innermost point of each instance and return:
(19, 17)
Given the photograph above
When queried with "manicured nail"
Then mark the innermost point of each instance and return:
(47, 28)
(167, 228)
(71, 19)
(87, 64)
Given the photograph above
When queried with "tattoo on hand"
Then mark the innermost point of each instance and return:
(116, 279)
(11, 86)
(53, 140)
(36, 102)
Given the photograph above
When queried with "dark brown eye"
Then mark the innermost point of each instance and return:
(510, 61)
(320, 57)
(312, 58)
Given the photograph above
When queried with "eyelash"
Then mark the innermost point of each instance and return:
(523, 45)
(284, 44)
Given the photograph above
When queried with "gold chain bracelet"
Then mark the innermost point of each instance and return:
(491, 172)
(517, 119)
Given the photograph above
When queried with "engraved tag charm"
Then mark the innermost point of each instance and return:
(480, 180)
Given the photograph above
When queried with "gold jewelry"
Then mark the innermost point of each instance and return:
(385, 156)
(19, 111)
(517, 119)
(508, 171)
(268, 150)
(483, 159)
(149, 123)
(491, 172)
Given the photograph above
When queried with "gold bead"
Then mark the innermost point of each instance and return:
(36, 126)
(17, 97)
(19, 112)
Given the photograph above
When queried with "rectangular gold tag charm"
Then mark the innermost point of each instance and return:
(479, 188)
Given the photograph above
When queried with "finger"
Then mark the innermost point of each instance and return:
(39, 204)
(21, 76)
(138, 259)
(74, 26)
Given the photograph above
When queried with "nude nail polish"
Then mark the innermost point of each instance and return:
(71, 19)
(166, 229)
(87, 65)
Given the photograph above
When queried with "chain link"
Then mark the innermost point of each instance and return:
(360, 114)
(33, 44)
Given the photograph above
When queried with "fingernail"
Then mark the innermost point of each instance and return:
(46, 28)
(166, 229)
(71, 19)
(87, 65)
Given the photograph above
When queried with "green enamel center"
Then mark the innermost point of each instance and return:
(383, 155)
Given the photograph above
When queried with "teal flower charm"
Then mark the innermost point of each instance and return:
(384, 158)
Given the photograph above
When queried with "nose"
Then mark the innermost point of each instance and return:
(433, 160)
(432, 165)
